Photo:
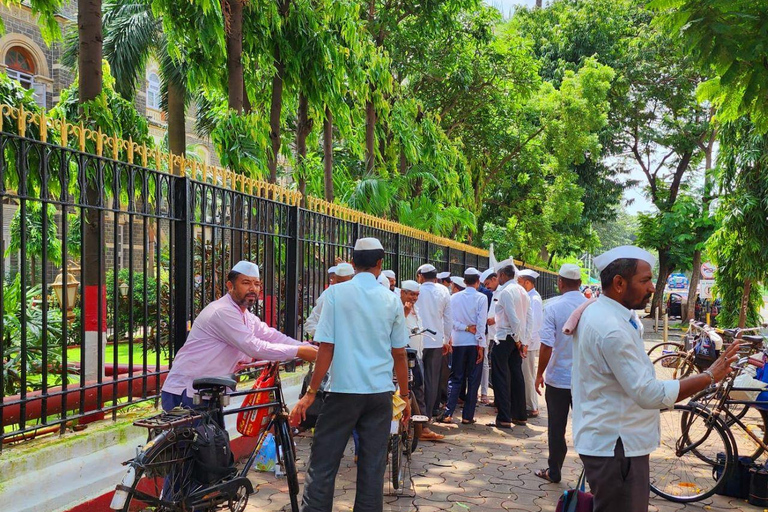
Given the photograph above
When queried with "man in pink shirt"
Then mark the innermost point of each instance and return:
(226, 334)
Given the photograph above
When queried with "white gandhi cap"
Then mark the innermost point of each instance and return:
(443, 275)
(426, 268)
(485, 275)
(625, 251)
(411, 286)
(472, 271)
(368, 244)
(458, 281)
(247, 268)
(332, 270)
(382, 279)
(570, 271)
(344, 270)
(509, 262)
(529, 273)
(389, 274)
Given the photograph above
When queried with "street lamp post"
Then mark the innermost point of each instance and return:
(71, 286)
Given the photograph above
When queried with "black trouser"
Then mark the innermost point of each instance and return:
(445, 374)
(508, 382)
(370, 415)
(618, 482)
(558, 405)
(433, 362)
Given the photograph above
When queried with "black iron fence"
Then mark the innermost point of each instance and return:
(71, 353)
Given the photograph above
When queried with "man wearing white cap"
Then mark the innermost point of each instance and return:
(226, 334)
(332, 275)
(556, 358)
(434, 307)
(616, 396)
(343, 272)
(469, 309)
(513, 330)
(409, 295)
(444, 278)
(457, 284)
(527, 279)
(490, 282)
(390, 275)
(362, 337)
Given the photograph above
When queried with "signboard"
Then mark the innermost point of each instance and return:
(708, 270)
(705, 288)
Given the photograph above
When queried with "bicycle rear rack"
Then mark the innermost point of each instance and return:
(167, 420)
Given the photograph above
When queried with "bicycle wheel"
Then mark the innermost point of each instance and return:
(161, 475)
(288, 460)
(684, 467)
(395, 461)
(674, 367)
(661, 349)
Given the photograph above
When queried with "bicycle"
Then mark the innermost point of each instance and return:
(698, 447)
(160, 476)
(404, 436)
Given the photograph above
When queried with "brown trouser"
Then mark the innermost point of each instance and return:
(618, 483)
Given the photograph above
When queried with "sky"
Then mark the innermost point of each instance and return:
(635, 200)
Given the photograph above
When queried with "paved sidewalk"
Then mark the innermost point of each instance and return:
(476, 468)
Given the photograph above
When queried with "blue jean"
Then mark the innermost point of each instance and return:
(170, 401)
(464, 369)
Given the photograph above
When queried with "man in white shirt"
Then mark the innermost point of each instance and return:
(616, 396)
(491, 281)
(513, 332)
(469, 310)
(392, 278)
(527, 279)
(556, 357)
(342, 273)
(409, 294)
(434, 307)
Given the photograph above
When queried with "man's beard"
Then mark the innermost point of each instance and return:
(246, 300)
(644, 302)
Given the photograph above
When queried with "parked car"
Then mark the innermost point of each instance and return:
(675, 305)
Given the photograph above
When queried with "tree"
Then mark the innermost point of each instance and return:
(727, 41)
(41, 235)
(738, 246)
(132, 34)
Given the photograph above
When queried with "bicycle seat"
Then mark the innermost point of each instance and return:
(752, 338)
(730, 332)
(411, 353)
(214, 382)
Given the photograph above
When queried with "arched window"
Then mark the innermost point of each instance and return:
(21, 67)
(153, 91)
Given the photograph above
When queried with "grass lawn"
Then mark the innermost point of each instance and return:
(73, 354)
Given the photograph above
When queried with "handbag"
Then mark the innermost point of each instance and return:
(576, 500)
(704, 352)
(251, 423)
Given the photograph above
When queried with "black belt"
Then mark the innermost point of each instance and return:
(510, 338)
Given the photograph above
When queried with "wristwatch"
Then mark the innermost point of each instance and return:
(311, 391)
(711, 376)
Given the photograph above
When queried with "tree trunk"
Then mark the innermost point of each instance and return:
(693, 287)
(661, 282)
(233, 16)
(274, 115)
(370, 137)
(538, 4)
(744, 303)
(303, 129)
(246, 100)
(328, 154)
(92, 261)
(177, 133)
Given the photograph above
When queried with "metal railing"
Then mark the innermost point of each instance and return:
(166, 243)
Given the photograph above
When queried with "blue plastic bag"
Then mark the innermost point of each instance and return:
(267, 455)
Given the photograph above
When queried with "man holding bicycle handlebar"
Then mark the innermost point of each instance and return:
(362, 335)
(225, 335)
(616, 396)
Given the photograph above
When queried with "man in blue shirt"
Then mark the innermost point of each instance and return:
(556, 358)
(362, 336)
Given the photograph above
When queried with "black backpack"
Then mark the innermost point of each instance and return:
(211, 454)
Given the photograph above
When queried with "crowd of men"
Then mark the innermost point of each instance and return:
(469, 331)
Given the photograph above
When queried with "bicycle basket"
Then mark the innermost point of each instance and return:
(167, 420)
